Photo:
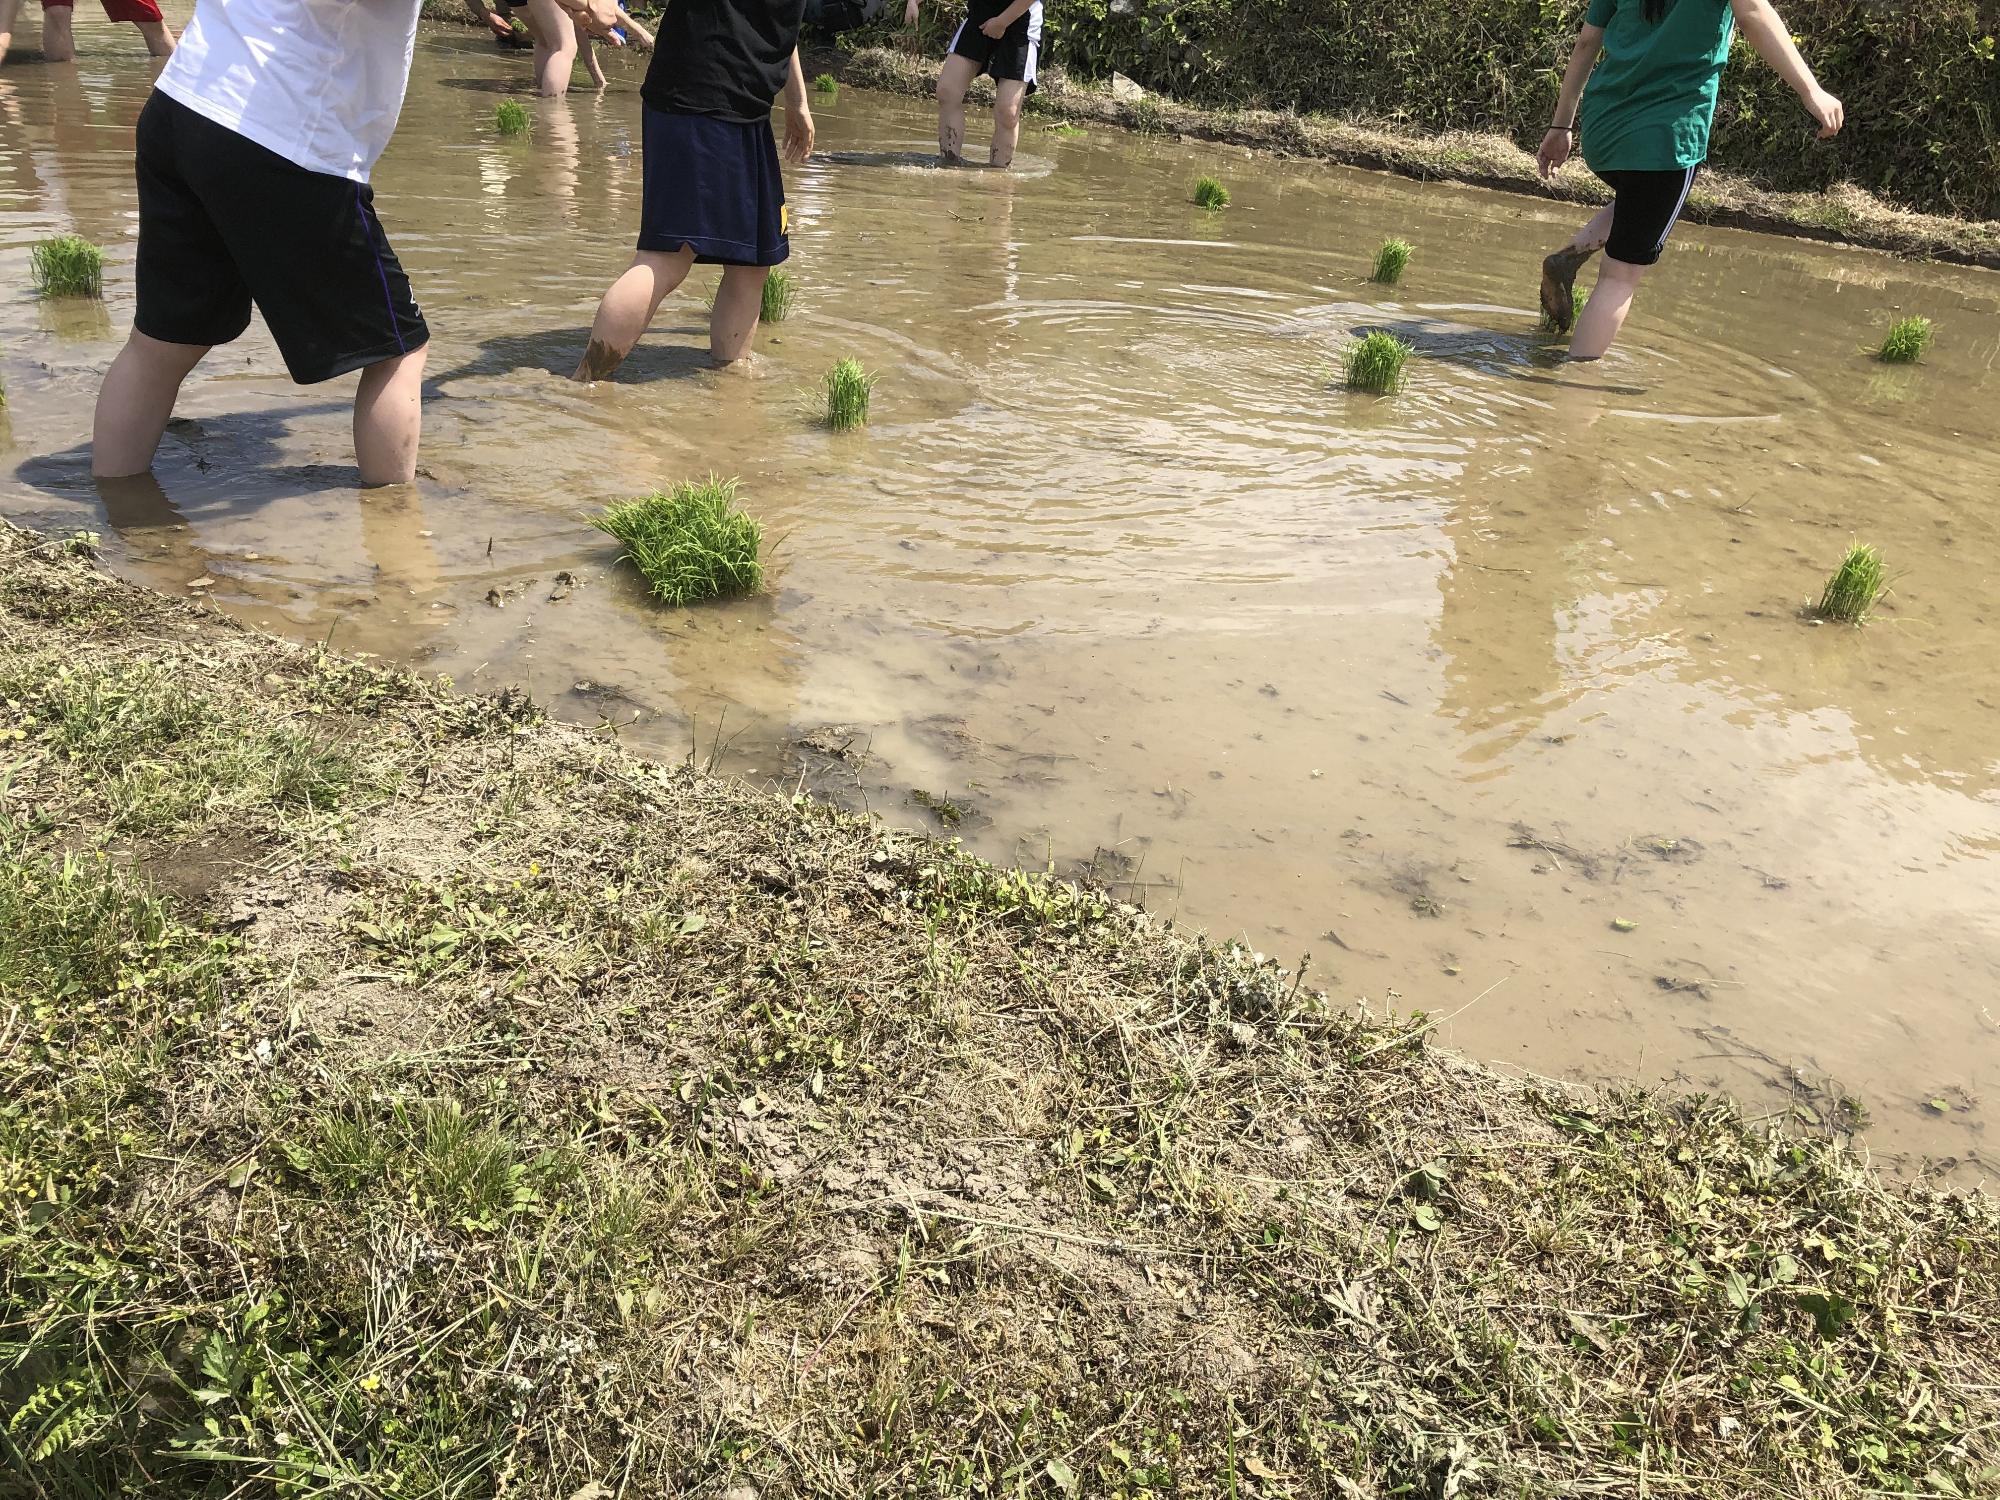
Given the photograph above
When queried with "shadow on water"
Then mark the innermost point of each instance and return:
(557, 351)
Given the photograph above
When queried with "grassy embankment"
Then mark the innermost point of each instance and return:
(404, 1096)
(1845, 214)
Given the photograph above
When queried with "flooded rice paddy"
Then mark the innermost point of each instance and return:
(1493, 697)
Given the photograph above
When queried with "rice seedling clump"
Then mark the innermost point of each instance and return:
(1210, 193)
(1391, 261)
(848, 388)
(511, 118)
(67, 266)
(1854, 589)
(779, 291)
(692, 542)
(1906, 342)
(1375, 364)
(1577, 298)
(826, 84)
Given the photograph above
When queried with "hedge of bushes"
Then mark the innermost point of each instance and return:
(1919, 77)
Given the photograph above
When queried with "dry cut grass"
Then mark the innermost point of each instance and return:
(510, 1116)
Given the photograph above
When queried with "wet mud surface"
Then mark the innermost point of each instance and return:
(1493, 698)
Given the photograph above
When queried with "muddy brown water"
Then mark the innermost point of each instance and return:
(1445, 690)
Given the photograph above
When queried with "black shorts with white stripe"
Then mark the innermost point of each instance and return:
(1644, 211)
(1014, 54)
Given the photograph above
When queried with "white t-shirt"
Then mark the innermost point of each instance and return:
(320, 82)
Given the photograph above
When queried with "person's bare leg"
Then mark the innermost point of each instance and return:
(555, 47)
(1011, 97)
(135, 402)
(59, 34)
(159, 37)
(733, 319)
(389, 419)
(1605, 313)
(627, 309)
(1559, 270)
(953, 80)
(10, 10)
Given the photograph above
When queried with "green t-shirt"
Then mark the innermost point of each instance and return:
(1650, 102)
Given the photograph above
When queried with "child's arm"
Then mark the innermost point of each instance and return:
(1560, 139)
(591, 63)
(910, 13)
(997, 27)
(595, 18)
(1765, 31)
(798, 113)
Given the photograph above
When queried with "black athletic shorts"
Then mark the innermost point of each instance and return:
(224, 222)
(1014, 54)
(1644, 210)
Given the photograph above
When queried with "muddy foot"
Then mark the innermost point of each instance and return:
(1559, 286)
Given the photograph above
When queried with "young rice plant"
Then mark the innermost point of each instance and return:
(848, 388)
(1375, 364)
(1391, 261)
(828, 85)
(67, 266)
(1210, 193)
(1906, 342)
(780, 289)
(691, 543)
(1577, 298)
(1854, 589)
(511, 118)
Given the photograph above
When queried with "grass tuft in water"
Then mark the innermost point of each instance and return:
(1854, 589)
(1068, 132)
(1210, 193)
(848, 388)
(511, 118)
(1375, 364)
(692, 542)
(1391, 261)
(1577, 298)
(827, 84)
(1906, 342)
(68, 266)
(780, 291)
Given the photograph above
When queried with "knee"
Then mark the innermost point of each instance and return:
(1622, 272)
(1007, 115)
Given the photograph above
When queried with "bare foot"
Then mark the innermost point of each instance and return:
(1559, 285)
(599, 361)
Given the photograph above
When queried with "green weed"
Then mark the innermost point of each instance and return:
(828, 85)
(1210, 193)
(1390, 262)
(67, 266)
(780, 291)
(1854, 589)
(1376, 363)
(691, 542)
(848, 389)
(1906, 341)
(511, 118)
(1068, 132)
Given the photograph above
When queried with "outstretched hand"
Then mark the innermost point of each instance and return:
(910, 13)
(1554, 151)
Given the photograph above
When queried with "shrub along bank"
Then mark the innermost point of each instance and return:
(1920, 78)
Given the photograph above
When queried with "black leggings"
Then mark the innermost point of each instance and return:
(1644, 211)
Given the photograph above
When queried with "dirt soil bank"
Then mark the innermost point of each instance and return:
(403, 1095)
(1846, 215)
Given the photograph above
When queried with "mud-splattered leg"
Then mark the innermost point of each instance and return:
(628, 308)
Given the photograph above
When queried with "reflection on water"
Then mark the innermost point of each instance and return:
(1437, 689)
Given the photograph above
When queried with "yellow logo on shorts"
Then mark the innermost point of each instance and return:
(784, 218)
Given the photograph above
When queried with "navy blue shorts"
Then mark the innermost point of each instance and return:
(713, 185)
